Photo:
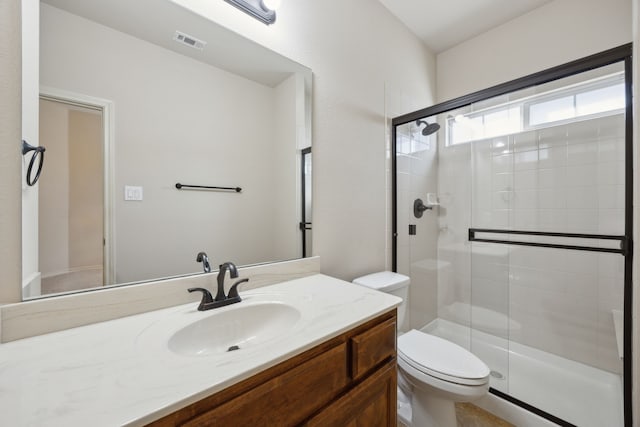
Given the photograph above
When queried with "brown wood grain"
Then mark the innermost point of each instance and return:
(373, 347)
(372, 403)
(285, 400)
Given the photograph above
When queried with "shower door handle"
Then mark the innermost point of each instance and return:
(624, 249)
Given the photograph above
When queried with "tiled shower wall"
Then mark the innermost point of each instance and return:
(567, 178)
(417, 175)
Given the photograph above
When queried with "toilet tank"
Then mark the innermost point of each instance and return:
(391, 283)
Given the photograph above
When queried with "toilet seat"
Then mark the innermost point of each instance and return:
(441, 359)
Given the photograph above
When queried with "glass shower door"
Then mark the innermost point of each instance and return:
(548, 243)
(492, 202)
(416, 174)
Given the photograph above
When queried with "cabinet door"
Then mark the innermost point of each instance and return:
(370, 404)
(372, 347)
(285, 400)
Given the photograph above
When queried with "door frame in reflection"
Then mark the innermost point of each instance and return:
(305, 184)
(106, 108)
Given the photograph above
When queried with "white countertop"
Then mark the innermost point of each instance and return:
(121, 372)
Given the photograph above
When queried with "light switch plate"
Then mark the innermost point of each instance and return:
(132, 192)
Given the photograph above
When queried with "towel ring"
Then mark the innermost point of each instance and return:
(37, 155)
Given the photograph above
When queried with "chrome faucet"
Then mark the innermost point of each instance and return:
(204, 259)
(208, 302)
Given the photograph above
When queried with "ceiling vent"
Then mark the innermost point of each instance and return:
(186, 39)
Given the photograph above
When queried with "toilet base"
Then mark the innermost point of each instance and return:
(404, 408)
(428, 410)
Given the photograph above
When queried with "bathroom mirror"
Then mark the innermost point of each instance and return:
(135, 98)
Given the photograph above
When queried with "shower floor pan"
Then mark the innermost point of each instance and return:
(572, 391)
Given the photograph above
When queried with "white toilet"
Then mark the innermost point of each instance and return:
(434, 373)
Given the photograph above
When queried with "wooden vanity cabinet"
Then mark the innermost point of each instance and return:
(371, 403)
(349, 380)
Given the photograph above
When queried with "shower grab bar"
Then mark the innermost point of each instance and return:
(625, 242)
(207, 187)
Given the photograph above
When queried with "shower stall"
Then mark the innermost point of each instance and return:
(522, 250)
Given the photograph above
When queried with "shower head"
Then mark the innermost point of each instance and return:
(429, 129)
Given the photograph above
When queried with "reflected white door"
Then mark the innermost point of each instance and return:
(71, 197)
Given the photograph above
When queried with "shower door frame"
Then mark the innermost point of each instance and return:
(619, 54)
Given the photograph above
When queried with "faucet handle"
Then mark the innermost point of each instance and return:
(206, 297)
(233, 292)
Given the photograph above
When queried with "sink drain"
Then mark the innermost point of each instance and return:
(497, 375)
(233, 348)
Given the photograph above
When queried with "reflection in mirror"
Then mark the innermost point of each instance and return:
(71, 199)
(306, 223)
(126, 112)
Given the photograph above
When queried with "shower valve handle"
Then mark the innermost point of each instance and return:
(419, 207)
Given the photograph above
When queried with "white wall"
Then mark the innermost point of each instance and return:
(556, 33)
(10, 163)
(176, 120)
(367, 67)
(286, 183)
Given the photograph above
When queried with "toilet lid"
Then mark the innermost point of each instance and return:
(441, 358)
(384, 281)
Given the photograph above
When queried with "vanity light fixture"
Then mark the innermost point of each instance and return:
(262, 10)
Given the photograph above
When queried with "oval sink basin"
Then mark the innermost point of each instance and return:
(234, 329)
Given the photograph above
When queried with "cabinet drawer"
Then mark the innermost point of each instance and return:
(285, 400)
(372, 347)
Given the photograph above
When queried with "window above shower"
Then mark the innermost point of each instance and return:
(597, 97)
